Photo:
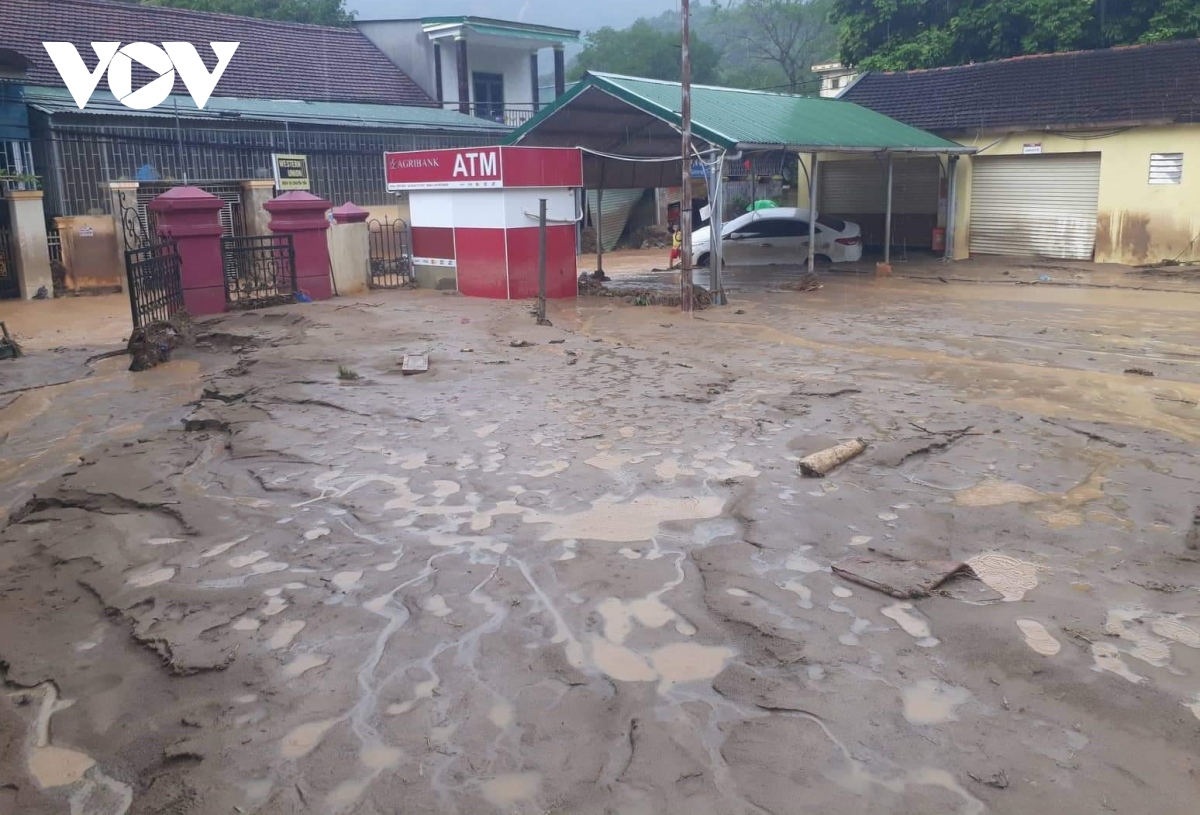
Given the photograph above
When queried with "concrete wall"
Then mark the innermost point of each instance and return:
(1137, 222)
(89, 252)
(27, 222)
(406, 45)
(348, 258)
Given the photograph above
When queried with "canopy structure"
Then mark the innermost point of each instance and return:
(629, 129)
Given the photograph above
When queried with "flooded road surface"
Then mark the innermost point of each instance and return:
(585, 576)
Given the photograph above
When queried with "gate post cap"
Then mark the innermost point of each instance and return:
(297, 201)
(350, 213)
(185, 199)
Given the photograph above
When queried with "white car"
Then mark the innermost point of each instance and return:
(779, 236)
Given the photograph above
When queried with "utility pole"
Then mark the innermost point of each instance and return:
(685, 206)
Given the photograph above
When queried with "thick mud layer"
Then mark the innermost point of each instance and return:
(586, 577)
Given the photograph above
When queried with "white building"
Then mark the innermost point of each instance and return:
(835, 77)
(476, 65)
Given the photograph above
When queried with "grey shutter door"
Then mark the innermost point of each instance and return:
(1035, 205)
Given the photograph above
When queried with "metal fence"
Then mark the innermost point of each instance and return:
(54, 245)
(233, 221)
(510, 115)
(155, 286)
(76, 159)
(260, 270)
(389, 254)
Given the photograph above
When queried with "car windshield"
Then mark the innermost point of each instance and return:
(836, 224)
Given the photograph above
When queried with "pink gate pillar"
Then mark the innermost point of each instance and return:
(190, 216)
(302, 215)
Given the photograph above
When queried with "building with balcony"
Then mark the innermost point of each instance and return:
(486, 68)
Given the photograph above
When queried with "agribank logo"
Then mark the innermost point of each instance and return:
(118, 60)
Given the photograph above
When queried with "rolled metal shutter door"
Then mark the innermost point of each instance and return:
(1035, 205)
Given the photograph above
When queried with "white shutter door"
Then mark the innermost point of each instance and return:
(1035, 205)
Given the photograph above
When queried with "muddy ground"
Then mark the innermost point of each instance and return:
(585, 576)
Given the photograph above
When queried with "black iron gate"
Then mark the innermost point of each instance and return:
(260, 270)
(390, 254)
(10, 284)
(155, 285)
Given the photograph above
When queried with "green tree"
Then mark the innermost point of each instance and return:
(643, 50)
(785, 36)
(903, 34)
(319, 12)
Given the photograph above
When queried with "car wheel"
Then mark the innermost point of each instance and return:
(702, 261)
(825, 258)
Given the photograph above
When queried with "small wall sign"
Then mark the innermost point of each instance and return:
(291, 172)
(1032, 148)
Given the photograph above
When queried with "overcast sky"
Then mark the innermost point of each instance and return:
(562, 13)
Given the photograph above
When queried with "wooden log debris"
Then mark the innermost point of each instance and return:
(824, 461)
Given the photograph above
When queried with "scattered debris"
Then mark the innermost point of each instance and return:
(590, 287)
(822, 462)
(899, 578)
(9, 348)
(557, 342)
(348, 374)
(214, 393)
(1139, 371)
(894, 454)
(202, 420)
(1165, 588)
(1193, 536)
(521, 344)
(805, 283)
(944, 280)
(827, 394)
(467, 350)
(414, 364)
(999, 780)
(120, 352)
(151, 345)
(1089, 434)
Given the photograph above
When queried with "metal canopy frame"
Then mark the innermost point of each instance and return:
(630, 141)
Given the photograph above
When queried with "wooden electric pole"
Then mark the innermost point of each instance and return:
(685, 205)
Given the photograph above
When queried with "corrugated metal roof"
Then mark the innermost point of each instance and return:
(505, 28)
(336, 114)
(731, 117)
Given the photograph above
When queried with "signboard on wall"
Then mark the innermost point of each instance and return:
(291, 172)
(483, 168)
(1032, 148)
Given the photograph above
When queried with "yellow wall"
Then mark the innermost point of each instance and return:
(1137, 222)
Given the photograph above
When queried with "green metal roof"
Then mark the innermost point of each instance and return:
(504, 28)
(730, 117)
(228, 109)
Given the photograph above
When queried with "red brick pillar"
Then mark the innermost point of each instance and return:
(191, 217)
(302, 215)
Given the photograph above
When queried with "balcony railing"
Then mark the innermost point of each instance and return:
(510, 115)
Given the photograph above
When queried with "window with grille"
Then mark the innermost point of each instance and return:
(1166, 168)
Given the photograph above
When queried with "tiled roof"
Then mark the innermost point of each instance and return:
(1115, 86)
(274, 61)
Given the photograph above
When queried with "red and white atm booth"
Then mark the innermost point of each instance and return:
(474, 217)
